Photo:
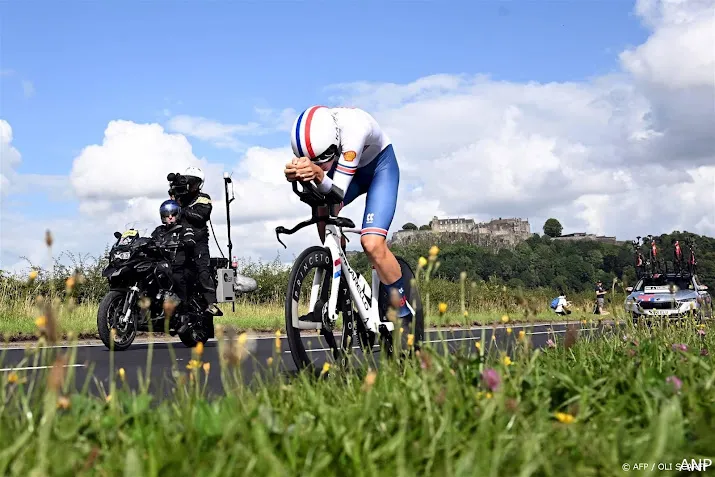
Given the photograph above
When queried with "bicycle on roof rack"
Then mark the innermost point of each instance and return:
(651, 264)
(337, 288)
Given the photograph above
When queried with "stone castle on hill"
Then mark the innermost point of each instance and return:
(497, 233)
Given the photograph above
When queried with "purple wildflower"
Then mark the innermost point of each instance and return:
(491, 379)
(701, 332)
(704, 352)
(550, 343)
(680, 347)
(677, 383)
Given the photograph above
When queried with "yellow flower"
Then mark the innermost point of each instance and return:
(508, 331)
(63, 402)
(69, 283)
(242, 338)
(108, 398)
(410, 340)
(326, 367)
(12, 378)
(199, 348)
(488, 395)
(193, 364)
(506, 360)
(442, 307)
(433, 251)
(33, 275)
(466, 313)
(422, 262)
(521, 334)
(269, 361)
(477, 345)
(41, 321)
(505, 319)
(583, 321)
(564, 417)
(122, 374)
(370, 379)
(207, 368)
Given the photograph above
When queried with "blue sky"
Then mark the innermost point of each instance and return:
(92, 62)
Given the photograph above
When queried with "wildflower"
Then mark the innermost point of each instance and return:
(677, 383)
(41, 321)
(13, 378)
(69, 283)
(704, 352)
(122, 374)
(269, 361)
(422, 262)
(466, 313)
(488, 395)
(63, 402)
(433, 251)
(442, 308)
(199, 348)
(680, 347)
(463, 276)
(477, 345)
(278, 340)
(508, 331)
(505, 319)
(193, 364)
(550, 343)
(207, 367)
(506, 360)
(370, 379)
(108, 398)
(583, 321)
(410, 340)
(33, 275)
(522, 334)
(491, 379)
(564, 417)
(326, 367)
(701, 332)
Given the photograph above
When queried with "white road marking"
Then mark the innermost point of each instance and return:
(445, 330)
(25, 368)
(476, 338)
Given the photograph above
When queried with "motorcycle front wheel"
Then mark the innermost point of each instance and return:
(111, 308)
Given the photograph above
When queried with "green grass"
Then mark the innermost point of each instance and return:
(435, 415)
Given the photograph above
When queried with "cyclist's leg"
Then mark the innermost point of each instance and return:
(380, 208)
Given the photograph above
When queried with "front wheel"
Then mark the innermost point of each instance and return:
(110, 311)
(318, 259)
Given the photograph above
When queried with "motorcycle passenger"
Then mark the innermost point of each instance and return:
(178, 241)
(196, 210)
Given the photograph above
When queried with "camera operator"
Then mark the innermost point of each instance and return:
(196, 210)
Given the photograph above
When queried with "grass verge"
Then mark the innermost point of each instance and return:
(578, 407)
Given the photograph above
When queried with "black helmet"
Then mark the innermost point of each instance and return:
(169, 208)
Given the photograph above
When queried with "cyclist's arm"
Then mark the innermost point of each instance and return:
(353, 145)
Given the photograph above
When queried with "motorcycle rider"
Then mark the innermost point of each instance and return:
(177, 240)
(196, 210)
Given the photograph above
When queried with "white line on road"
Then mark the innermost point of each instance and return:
(476, 338)
(445, 330)
(25, 368)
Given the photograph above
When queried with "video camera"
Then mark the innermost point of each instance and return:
(178, 184)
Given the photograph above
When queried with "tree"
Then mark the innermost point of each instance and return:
(425, 227)
(409, 226)
(552, 228)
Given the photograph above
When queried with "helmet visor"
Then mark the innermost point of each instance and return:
(329, 154)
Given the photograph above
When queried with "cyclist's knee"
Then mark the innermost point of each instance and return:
(374, 245)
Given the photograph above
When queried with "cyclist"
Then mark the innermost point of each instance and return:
(346, 154)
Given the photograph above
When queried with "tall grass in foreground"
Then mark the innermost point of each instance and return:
(581, 406)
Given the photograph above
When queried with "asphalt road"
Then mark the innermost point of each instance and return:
(94, 359)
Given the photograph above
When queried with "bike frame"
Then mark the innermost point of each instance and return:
(364, 296)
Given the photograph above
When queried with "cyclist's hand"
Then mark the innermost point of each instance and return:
(308, 171)
(291, 172)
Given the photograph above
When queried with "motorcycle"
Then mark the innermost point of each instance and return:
(140, 295)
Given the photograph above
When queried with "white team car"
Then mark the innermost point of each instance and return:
(668, 296)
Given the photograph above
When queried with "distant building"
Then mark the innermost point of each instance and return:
(586, 236)
(497, 232)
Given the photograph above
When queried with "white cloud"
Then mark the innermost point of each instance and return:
(9, 157)
(625, 154)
